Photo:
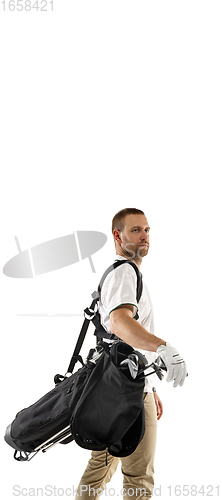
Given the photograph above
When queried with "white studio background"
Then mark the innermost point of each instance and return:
(108, 104)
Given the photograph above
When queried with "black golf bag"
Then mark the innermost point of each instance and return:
(100, 406)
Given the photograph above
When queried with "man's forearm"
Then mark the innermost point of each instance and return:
(128, 329)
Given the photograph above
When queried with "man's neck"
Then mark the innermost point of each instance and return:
(137, 262)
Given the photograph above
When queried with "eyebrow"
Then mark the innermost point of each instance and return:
(139, 227)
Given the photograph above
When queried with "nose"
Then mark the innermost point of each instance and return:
(145, 236)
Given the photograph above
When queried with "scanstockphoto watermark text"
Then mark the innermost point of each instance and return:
(193, 490)
(27, 5)
(49, 491)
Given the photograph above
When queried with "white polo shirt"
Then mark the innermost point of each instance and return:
(119, 288)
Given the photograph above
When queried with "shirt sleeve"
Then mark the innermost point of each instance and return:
(120, 288)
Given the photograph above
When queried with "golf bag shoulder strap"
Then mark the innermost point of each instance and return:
(75, 357)
(91, 315)
(118, 263)
(100, 331)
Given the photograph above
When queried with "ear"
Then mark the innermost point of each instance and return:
(116, 236)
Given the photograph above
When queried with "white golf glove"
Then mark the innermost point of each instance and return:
(175, 365)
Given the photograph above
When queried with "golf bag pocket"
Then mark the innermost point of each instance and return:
(46, 422)
(110, 414)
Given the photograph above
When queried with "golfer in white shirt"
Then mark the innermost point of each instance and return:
(117, 307)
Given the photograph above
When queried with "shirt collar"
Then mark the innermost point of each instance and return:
(120, 257)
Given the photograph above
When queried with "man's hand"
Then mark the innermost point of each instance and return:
(159, 406)
(175, 365)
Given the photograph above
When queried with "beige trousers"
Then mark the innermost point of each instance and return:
(137, 468)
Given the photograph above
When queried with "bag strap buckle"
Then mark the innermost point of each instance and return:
(89, 313)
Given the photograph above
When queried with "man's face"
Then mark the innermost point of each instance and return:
(135, 237)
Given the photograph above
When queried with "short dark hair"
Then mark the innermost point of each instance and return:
(119, 218)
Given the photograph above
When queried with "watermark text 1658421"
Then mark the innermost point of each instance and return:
(27, 5)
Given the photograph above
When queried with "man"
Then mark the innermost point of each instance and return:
(117, 308)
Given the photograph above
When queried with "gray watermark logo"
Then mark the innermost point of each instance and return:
(54, 254)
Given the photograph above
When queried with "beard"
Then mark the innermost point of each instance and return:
(135, 252)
